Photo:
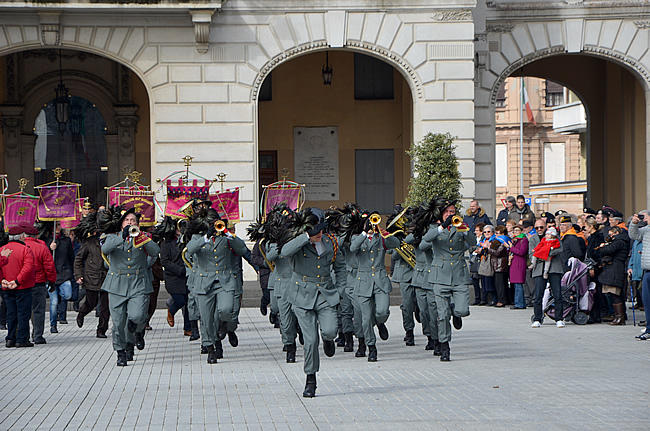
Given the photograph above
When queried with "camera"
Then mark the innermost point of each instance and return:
(641, 216)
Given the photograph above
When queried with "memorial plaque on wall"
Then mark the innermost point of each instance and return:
(316, 161)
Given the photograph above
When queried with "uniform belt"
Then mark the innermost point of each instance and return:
(372, 270)
(449, 260)
(317, 279)
(126, 271)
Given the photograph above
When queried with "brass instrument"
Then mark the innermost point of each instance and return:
(407, 252)
(185, 259)
(134, 231)
(456, 221)
(105, 258)
(187, 210)
(375, 219)
(219, 226)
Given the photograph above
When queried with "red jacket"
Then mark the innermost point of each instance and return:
(21, 265)
(43, 262)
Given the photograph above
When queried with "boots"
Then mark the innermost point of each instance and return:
(340, 340)
(212, 355)
(329, 348)
(383, 331)
(444, 352)
(361, 352)
(372, 353)
(129, 351)
(291, 353)
(436, 348)
(409, 339)
(349, 342)
(430, 345)
(139, 340)
(218, 349)
(121, 358)
(223, 330)
(619, 312)
(310, 386)
(195, 330)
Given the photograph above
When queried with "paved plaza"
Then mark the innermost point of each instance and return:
(503, 375)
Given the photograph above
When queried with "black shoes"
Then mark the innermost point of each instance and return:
(409, 339)
(212, 355)
(139, 340)
(457, 321)
(430, 344)
(223, 330)
(361, 352)
(53, 330)
(444, 352)
(195, 330)
(121, 358)
(204, 350)
(310, 386)
(349, 342)
(232, 339)
(129, 351)
(80, 320)
(291, 353)
(383, 331)
(329, 348)
(263, 309)
(218, 349)
(131, 326)
(273, 318)
(340, 340)
(100, 334)
(41, 341)
(436, 348)
(26, 344)
(10, 343)
(372, 353)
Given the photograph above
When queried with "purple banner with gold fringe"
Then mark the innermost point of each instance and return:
(57, 202)
(19, 209)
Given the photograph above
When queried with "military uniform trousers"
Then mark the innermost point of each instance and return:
(356, 306)
(233, 323)
(374, 311)
(324, 314)
(429, 324)
(193, 306)
(215, 305)
(288, 320)
(408, 305)
(345, 311)
(446, 295)
(124, 308)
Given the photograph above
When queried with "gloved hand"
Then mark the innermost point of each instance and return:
(447, 222)
(125, 231)
(211, 231)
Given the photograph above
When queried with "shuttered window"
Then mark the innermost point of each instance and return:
(373, 78)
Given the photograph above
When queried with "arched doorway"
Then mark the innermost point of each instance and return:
(107, 133)
(347, 140)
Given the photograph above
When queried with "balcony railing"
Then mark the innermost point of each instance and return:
(570, 118)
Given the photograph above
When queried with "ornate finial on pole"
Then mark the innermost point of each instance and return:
(188, 161)
(285, 173)
(22, 183)
(135, 176)
(58, 172)
(222, 178)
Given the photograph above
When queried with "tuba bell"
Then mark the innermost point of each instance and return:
(456, 221)
(187, 210)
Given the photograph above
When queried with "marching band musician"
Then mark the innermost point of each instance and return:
(128, 252)
(214, 276)
(449, 276)
(312, 293)
(372, 286)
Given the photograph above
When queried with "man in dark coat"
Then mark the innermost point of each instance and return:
(474, 215)
(504, 214)
(522, 211)
(90, 272)
(63, 260)
(572, 244)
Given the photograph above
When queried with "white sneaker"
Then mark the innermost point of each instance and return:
(560, 324)
(536, 324)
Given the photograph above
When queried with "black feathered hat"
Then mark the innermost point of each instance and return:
(110, 220)
(87, 227)
(166, 229)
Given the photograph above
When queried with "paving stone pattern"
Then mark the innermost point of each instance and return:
(503, 375)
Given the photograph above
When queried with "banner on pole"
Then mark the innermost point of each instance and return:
(227, 204)
(19, 209)
(57, 202)
(289, 195)
(71, 224)
(138, 197)
(179, 195)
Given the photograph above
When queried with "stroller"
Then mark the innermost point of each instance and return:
(577, 293)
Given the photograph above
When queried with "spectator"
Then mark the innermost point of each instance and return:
(613, 277)
(555, 273)
(63, 260)
(17, 281)
(522, 211)
(499, 260)
(572, 244)
(602, 217)
(504, 214)
(594, 233)
(635, 271)
(643, 234)
(485, 269)
(475, 214)
(510, 226)
(588, 212)
(532, 231)
(45, 272)
(518, 267)
(474, 263)
(549, 219)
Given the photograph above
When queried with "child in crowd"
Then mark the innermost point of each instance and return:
(542, 250)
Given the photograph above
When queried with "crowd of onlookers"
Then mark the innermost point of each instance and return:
(515, 260)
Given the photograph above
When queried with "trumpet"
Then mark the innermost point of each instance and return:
(375, 219)
(219, 226)
(456, 221)
(134, 231)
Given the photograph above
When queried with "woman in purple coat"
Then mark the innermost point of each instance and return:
(518, 256)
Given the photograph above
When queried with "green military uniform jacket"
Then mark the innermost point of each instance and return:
(281, 273)
(423, 259)
(213, 262)
(402, 271)
(128, 272)
(449, 267)
(370, 257)
(311, 272)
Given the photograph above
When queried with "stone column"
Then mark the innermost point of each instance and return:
(126, 122)
(12, 122)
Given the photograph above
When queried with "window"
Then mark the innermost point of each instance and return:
(501, 96)
(554, 162)
(501, 164)
(554, 94)
(375, 180)
(373, 79)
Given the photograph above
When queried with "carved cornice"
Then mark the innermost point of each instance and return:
(453, 15)
(202, 18)
(50, 28)
(506, 27)
(642, 24)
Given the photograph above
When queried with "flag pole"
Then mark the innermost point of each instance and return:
(521, 135)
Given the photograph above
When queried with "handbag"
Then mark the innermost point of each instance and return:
(485, 268)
